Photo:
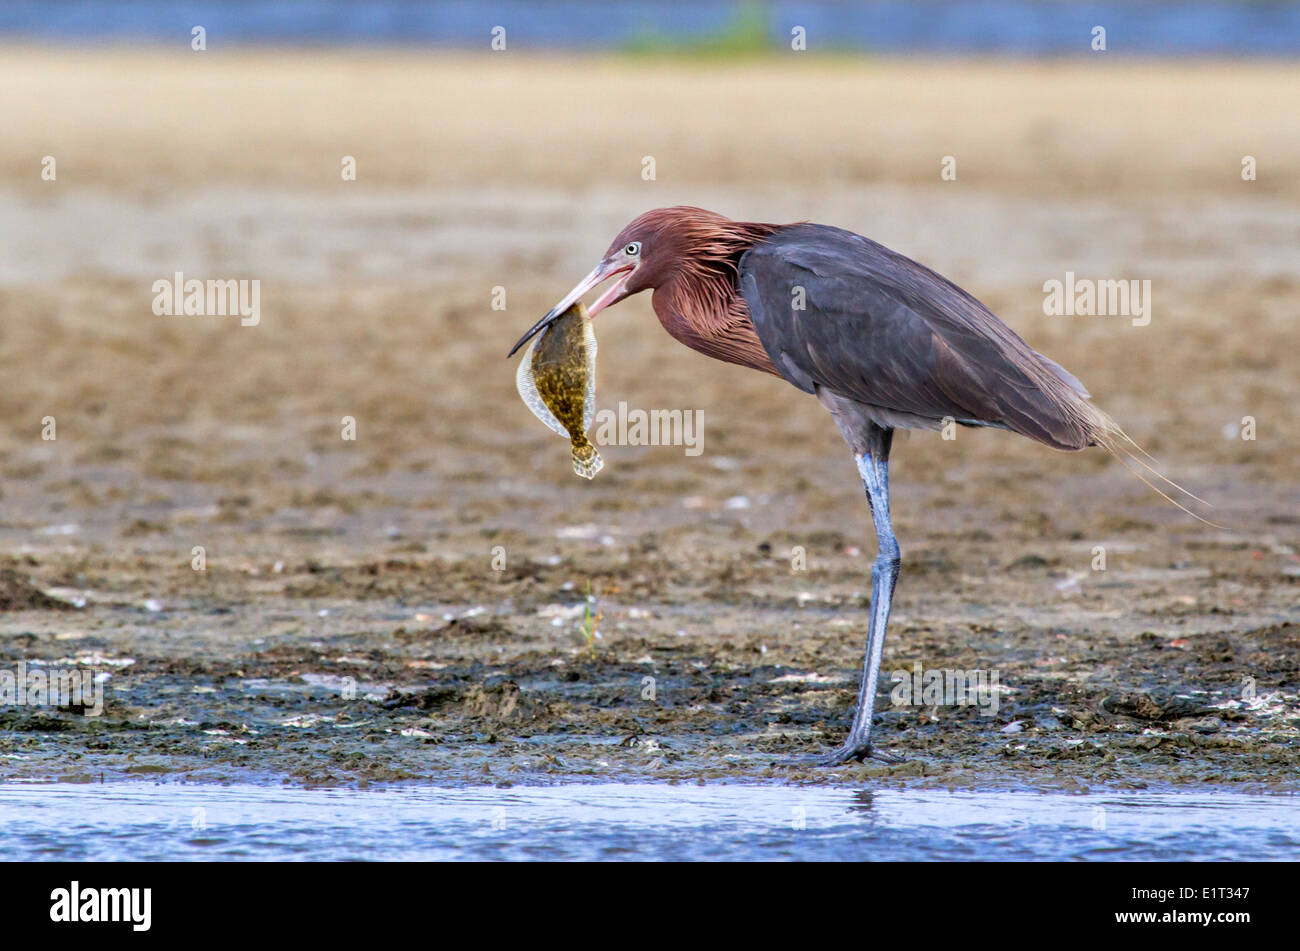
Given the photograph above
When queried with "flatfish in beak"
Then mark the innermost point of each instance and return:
(557, 381)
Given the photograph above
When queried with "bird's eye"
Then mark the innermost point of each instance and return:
(633, 248)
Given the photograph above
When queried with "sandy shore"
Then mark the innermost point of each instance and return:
(1091, 126)
(330, 559)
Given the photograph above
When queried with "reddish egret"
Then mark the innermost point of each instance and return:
(882, 342)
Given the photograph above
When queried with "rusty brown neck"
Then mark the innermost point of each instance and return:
(700, 304)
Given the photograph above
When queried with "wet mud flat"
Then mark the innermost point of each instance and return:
(442, 600)
(709, 662)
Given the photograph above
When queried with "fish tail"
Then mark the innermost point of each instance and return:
(586, 460)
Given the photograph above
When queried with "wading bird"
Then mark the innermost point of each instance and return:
(882, 342)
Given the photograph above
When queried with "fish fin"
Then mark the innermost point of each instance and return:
(587, 461)
(527, 388)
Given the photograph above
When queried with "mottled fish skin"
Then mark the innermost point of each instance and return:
(561, 363)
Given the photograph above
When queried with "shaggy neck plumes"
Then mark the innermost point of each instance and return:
(699, 303)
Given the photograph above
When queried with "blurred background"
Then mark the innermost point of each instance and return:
(502, 146)
(1021, 27)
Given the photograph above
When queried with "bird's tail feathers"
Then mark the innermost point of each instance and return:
(1106, 433)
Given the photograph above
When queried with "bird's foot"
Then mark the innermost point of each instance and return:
(849, 752)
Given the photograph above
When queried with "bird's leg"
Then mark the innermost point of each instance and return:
(873, 465)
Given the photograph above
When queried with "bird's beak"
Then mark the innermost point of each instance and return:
(599, 274)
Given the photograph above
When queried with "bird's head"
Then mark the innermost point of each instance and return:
(645, 255)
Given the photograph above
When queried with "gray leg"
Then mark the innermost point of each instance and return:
(873, 464)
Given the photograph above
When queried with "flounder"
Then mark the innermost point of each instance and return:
(557, 381)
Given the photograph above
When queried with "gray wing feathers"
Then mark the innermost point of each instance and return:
(878, 328)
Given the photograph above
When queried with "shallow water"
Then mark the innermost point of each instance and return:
(123, 821)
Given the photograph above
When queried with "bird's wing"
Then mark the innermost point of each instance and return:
(880, 329)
